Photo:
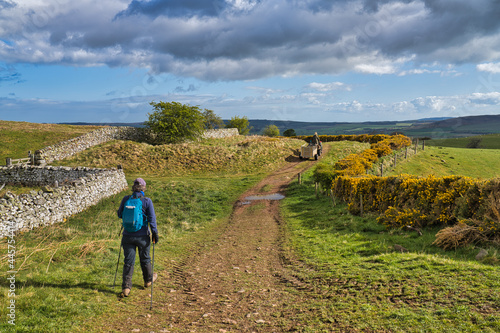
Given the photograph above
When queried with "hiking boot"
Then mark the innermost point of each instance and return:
(126, 292)
(148, 284)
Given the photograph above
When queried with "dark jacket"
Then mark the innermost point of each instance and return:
(149, 215)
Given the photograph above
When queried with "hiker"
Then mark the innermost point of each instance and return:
(139, 239)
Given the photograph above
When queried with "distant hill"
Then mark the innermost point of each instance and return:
(438, 127)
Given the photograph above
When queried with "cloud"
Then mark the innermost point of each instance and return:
(9, 74)
(332, 86)
(251, 39)
(489, 67)
(175, 8)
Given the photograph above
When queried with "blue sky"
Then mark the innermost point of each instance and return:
(307, 60)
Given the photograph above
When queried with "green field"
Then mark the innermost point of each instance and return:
(446, 161)
(17, 138)
(491, 141)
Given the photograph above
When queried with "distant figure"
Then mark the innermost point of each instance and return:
(139, 239)
(315, 139)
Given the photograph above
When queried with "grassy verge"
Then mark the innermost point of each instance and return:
(17, 138)
(65, 271)
(362, 284)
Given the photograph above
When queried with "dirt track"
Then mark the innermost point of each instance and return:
(237, 283)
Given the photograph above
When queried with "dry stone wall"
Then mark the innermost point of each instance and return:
(220, 133)
(73, 146)
(70, 147)
(67, 191)
(80, 188)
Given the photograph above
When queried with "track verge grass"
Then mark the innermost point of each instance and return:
(361, 283)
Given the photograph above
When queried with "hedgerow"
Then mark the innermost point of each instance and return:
(358, 164)
(467, 208)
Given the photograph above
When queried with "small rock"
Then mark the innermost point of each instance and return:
(481, 255)
(260, 321)
(399, 248)
(230, 321)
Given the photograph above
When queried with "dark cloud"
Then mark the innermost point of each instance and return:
(9, 74)
(250, 39)
(6, 4)
(174, 8)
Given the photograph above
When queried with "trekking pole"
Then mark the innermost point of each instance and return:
(153, 280)
(118, 262)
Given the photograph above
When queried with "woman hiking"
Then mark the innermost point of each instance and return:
(139, 238)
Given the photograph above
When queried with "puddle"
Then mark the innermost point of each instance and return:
(274, 196)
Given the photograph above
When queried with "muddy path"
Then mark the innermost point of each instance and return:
(235, 283)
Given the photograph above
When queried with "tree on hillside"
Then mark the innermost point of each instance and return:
(474, 143)
(241, 123)
(289, 132)
(212, 121)
(271, 130)
(174, 122)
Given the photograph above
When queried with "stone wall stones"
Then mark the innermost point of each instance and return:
(81, 188)
(220, 133)
(70, 147)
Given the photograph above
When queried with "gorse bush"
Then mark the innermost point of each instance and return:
(358, 164)
(415, 201)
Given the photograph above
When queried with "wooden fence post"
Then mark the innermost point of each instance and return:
(406, 153)
(361, 203)
(316, 189)
(416, 145)
(382, 170)
(8, 161)
(300, 178)
(423, 144)
(395, 159)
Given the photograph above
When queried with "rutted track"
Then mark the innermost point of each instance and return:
(235, 281)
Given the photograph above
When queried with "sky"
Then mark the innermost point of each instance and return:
(298, 60)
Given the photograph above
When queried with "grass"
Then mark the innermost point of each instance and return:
(243, 155)
(362, 284)
(66, 270)
(447, 161)
(491, 141)
(17, 138)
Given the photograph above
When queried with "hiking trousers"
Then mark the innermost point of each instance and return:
(130, 244)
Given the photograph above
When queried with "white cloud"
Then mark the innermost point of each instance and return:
(332, 86)
(489, 67)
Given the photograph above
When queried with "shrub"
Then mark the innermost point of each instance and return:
(174, 122)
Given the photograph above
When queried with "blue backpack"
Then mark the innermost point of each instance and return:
(132, 216)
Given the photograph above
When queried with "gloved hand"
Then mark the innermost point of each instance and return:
(155, 237)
